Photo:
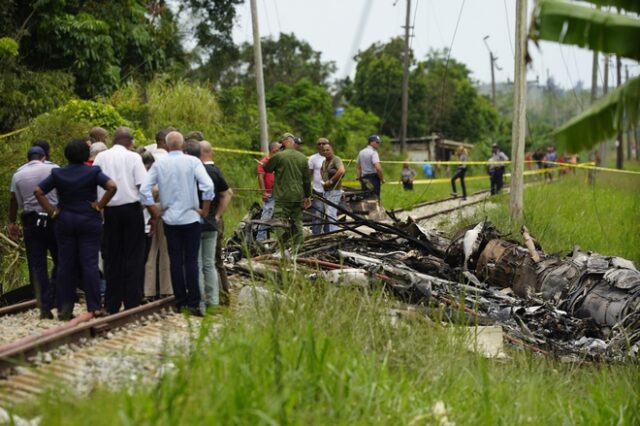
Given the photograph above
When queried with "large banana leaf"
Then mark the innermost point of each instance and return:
(609, 115)
(586, 27)
(628, 5)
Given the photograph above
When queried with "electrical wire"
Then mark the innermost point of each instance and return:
(446, 66)
(275, 4)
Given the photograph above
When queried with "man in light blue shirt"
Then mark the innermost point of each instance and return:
(179, 177)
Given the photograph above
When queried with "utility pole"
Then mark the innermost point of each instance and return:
(619, 141)
(257, 58)
(605, 90)
(626, 78)
(405, 81)
(519, 114)
(594, 77)
(492, 60)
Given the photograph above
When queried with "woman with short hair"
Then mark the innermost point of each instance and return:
(78, 225)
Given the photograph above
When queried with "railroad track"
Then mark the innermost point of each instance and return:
(18, 381)
(139, 353)
(64, 353)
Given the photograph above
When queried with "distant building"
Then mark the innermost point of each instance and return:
(430, 148)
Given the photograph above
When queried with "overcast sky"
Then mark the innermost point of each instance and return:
(331, 27)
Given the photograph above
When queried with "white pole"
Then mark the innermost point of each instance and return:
(257, 55)
(518, 130)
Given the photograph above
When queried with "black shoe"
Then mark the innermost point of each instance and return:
(65, 316)
(100, 313)
(196, 312)
(46, 314)
(454, 194)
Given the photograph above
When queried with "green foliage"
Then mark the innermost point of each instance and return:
(83, 42)
(442, 98)
(100, 42)
(604, 218)
(185, 106)
(8, 47)
(351, 130)
(128, 101)
(285, 60)
(618, 111)
(602, 31)
(583, 26)
(306, 107)
(337, 356)
(377, 84)
(24, 94)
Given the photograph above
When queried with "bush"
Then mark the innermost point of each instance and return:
(185, 106)
(72, 120)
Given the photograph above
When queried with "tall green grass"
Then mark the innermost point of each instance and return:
(332, 356)
(604, 217)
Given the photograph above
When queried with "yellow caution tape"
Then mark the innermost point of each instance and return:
(238, 151)
(15, 132)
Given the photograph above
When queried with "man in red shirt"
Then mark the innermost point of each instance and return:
(265, 181)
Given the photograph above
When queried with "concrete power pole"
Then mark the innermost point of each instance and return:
(492, 62)
(626, 78)
(619, 141)
(605, 90)
(594, 77)
(257, 57)
(405, 81)
(519, 114)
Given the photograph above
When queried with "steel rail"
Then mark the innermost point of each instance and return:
(18, 353)
(18, 307)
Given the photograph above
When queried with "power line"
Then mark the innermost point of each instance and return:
(506, 15)
(446, 66)
(364, 16)
(266, 15)
(275, 4)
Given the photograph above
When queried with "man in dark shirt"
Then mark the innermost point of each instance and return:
(216, 284)
(39, 236)
(292, 189)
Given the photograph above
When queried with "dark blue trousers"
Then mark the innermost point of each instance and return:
(496, 180)
(183, 244)
(79, 237)
(124, 256)
(40, 239)
(371, 182)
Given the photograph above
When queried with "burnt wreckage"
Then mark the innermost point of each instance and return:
(582, 306)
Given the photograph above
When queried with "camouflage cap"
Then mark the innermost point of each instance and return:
(286, 136)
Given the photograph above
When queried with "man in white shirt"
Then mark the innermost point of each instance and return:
(124, 239)
(317, 206)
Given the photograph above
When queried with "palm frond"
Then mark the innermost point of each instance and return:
(628, 5)
(586, 27)
(613, 113)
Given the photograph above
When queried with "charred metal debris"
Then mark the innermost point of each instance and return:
(583, 306)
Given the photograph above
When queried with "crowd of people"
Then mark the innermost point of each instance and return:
(128, 226)
(291, 183)
(151, 217)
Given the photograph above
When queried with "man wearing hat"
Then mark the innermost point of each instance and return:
(38, 228)
(496, 170)
(368, 167)
(292, 188)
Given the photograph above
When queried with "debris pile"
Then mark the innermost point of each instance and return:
(585, 306)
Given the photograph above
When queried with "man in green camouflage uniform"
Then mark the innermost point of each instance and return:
(291, 191)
